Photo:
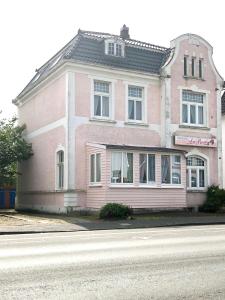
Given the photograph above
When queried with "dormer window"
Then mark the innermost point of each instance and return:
(114, 48)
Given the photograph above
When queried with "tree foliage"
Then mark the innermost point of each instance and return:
(13, 149)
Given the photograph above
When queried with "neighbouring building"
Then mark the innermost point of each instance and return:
(112, 119)
(223, 133)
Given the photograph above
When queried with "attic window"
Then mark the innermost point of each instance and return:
(114, 48)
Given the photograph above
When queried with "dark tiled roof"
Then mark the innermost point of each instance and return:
(88, 47)
(223, 104)
(142, 148)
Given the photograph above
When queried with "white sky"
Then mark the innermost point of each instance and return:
(32, 31)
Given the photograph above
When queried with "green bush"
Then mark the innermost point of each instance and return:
(115, 211)
(215, 199)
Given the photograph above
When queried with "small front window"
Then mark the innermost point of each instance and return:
(185, 66)
(60, 169)
(193, 60)
(171, 169)
(135, 103)
(101, 99)
(200, 68)
(95, 168)
(122, 167)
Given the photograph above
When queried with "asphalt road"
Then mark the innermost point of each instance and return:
(161, 263)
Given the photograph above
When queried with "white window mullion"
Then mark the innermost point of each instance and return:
(95, 168)
(122, 168)
(189, 113)
(198, 184)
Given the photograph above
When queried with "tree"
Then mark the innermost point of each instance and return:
(13, 149)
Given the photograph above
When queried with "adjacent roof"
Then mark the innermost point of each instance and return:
(142, 148)
(223, 104)
(88, 47)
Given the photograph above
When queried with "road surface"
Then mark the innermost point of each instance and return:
(161, 263)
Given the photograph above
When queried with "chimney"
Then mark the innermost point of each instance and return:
(124, 32)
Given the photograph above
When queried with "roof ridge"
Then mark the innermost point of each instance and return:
(127, 41)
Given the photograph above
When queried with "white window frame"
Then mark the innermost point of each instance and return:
(95, 182)
(147, 182)
(193, 67)
(57, 167)
(171, 171)
(189, 104)
(186, 57)
(202, 68)
(102, 94)
(115, 43)
(122, 183)
(143, 100)
(197, 168)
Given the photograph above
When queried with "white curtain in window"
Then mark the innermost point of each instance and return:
(116, 167)
(165, 161)
(143, 168)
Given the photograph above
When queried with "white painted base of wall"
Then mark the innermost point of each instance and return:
(42, 208)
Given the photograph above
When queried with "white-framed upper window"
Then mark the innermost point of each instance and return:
(193, 66)
(147, 168)
(102, 99)
(186, 65)
(114, 48)
(135, 103)
(95, 168)
(193, 108)
(171, 169)
(121, 167)
(60, 169)
(200, 68)
(196, 173)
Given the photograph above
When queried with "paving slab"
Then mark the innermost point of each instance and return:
(38, 224)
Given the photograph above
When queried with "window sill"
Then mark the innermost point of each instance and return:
(148, 186)
(194, 127)
(136, 124)
(102, 120)
(122, 185)
(203, 190)
(193, 77)
(172, 186)
(95, 185)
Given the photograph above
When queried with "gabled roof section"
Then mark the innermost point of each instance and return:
(88, 47)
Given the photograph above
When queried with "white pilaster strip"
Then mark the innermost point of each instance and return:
(71, 130)
(219, 137)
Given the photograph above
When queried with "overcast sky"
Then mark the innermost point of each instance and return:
(32, 31)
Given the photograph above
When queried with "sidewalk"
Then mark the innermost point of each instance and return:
(21, 223)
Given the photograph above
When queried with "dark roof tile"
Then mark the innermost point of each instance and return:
(88, 47)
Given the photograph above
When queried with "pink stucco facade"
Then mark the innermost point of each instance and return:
(60, 117)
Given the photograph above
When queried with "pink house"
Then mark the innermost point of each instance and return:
(112, 119)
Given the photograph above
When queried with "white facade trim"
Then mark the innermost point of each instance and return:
(47, 128)
(95, 145)
(70, 132)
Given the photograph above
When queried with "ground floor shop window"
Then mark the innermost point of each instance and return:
(171, 169)
(147, 168)
(196, 172)
(122, 167)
